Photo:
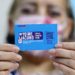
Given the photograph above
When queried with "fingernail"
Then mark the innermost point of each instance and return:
(15, 47)
(51, 57)
(52, 51)
(55, 64)
(15, 66)
(19, 57)
(58, 45)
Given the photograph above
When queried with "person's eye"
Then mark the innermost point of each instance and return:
(54, 14)
(53, 11)
(28, 11)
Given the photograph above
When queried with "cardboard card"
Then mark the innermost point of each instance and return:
(36, 36)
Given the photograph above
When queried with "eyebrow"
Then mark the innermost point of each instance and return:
(57, 8)
(28, 1)
(33, 4)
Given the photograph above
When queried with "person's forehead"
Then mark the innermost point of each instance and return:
(60, 3)
(46, 1)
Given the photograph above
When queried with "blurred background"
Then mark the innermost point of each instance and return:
(5, 6)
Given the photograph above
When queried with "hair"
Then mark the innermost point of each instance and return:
(13, 8)
(71, 16)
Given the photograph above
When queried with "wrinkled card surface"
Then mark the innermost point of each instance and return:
(36, 36)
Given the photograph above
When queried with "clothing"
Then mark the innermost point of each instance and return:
(56, 72)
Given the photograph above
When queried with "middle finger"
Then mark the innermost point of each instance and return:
(9, 56)
(63, 53)
(68, 62)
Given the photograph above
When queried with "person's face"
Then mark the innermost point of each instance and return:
(54, 9)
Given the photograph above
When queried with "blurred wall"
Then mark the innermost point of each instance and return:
(5, 6)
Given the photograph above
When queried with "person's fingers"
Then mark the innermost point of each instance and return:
(66, 45)
(4, 73)
(66, 70)
(9, 48)
(68, 62)
(8, 66)
(9, 56)
(63, 53)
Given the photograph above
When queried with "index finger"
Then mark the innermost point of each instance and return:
(9, 48)
(66, 45)
(4, 73)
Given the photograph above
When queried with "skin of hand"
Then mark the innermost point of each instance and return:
(64, 57)
(8, 58)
